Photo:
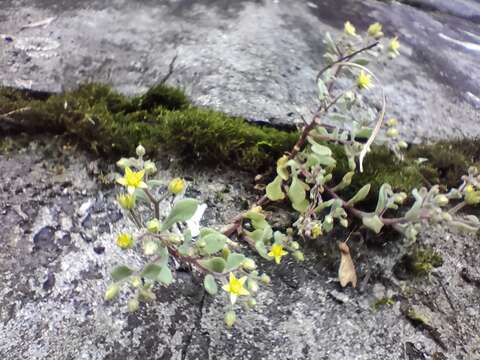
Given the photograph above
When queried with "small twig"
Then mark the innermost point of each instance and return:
(345, 58)
(171, 67)
(8, 114)
(154, 201)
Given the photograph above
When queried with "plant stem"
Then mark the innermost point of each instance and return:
(155, 202)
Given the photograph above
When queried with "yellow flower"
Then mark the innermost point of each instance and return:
(375, 30)
(235, 287)
(277, 252)
(176, 186)
(472, 197)
(364, 80)
(132, 180)
(126, 201)
(393, 46)
(124, 241)
(316, 230)
(349, 29)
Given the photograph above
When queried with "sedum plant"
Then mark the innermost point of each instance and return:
(349, 119)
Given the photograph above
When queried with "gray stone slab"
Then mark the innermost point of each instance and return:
(257, 59)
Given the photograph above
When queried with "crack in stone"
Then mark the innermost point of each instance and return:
(195, 327)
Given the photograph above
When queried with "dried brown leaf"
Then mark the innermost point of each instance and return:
(346, 271)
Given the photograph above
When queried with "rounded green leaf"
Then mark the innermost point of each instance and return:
(183, 210)
(274, 190)
(210, 284)
(165, 276)
(215, 264)
(360, 195)
(151, 271)
(214, 242)
(121, 272)
(234, 260)
(373, 223)
(296, 192)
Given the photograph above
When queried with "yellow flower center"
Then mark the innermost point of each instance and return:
(364, 80)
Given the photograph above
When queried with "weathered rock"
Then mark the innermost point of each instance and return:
(254, 58)
(55, 309)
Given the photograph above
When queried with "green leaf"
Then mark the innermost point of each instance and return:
(154, 182)
(346, 181)
(274, 190)
(363, 133)
(360, 195)
(383, 194)
(302, 206)
(187, 242)
(214, 242)
(234, 260)
(373, 223)
(183, 210)
(141, 196)
(165, 276)
(318, 149)
(322, 90)
(362, 62)
(257, 219)
(210, 284)
(121, 272)
(215, 264)
(324, 205)
(151, 271)
(296, 191)
(262, 250)
(414, 212)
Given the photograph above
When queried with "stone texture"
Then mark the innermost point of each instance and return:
(52, 280)
(253, 58)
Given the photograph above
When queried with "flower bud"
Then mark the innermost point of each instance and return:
(153, 225)
(447, 217)
(391, 122)
(298, 255)
(176, 186)
(140, 151)
(249, 265)
(316, 230)
(124, 241)
(392, 132)
(328, 219)
(399, 198)
(127, 201)
(112, 292)
(265, 279)
(133, 305)
(150, 167)
(256, 209)
(150, 248)
(402, 144)
(295, 245)
(230, 318)
(344, 222)
(251, 303)
(441, 200)
(375, 30)
(472, 197)
(252, 285)
(201, 244)
(123, 163)
(136, 281)
(225, 252)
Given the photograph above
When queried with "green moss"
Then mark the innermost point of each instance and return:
(422, 261)
(386, 301)
(112, 124)
(164, 120)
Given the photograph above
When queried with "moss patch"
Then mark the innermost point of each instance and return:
(164, 120)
